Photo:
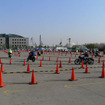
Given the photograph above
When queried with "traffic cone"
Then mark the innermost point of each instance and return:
(33, 79)
(43, 58)
(86, 70)
(82, 65)
(24, 62)
(69, 60)
(37, 57)
(2, 68)
(10, 61)
(57, 69)
(60, 64)
(28, 68)
(0, 60)
(40, 63)
(1, 80)
(103, 71)
(99, 59)
(49, 58)
(19, 55)
(57, 59)
(72, 75)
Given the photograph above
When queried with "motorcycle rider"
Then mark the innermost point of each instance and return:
(9, 52)
(32, 53)
(85, 55)
(97, 53)
(38, 53)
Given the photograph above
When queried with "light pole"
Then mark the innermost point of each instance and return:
(69, 41)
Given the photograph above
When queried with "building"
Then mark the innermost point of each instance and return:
(13, 41)
(2, 42)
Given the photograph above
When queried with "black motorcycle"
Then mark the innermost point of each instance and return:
(31, 57)
(97, 54)
(9, 55)
(88, 60)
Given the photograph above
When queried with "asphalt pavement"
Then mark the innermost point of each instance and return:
(52, 88)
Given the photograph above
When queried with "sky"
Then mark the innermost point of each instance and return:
(55, 20)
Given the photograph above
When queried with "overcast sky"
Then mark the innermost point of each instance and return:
(81, 20)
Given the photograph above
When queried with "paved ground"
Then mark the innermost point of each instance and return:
(52, 89)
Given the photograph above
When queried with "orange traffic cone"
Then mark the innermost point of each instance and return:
(1, 80)
(82, 65)
(40, 63)
(28, 68)
(0, 60)
(33, 80)
(49, 58)
(86, 70)
(99, 60)
(37, 57)
(69, 60)
(60, 64)
(103, 71)
(57, 59)
(2, 68)
(24, 62)
(10, 61)
(19, 55)
(72, 75)
(57, 69)
(43, 58)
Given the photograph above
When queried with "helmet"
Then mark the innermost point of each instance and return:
(86, 51)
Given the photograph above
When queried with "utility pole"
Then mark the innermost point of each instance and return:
(40, 41)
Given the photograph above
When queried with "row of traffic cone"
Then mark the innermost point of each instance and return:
(33, 80)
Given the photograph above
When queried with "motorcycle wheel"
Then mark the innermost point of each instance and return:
(77, 61)
(27, 59)
(33, 59)
(90, 62)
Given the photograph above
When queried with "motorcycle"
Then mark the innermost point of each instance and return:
(97, 54)
(30, 57)
(88, 60)
(9, 55)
